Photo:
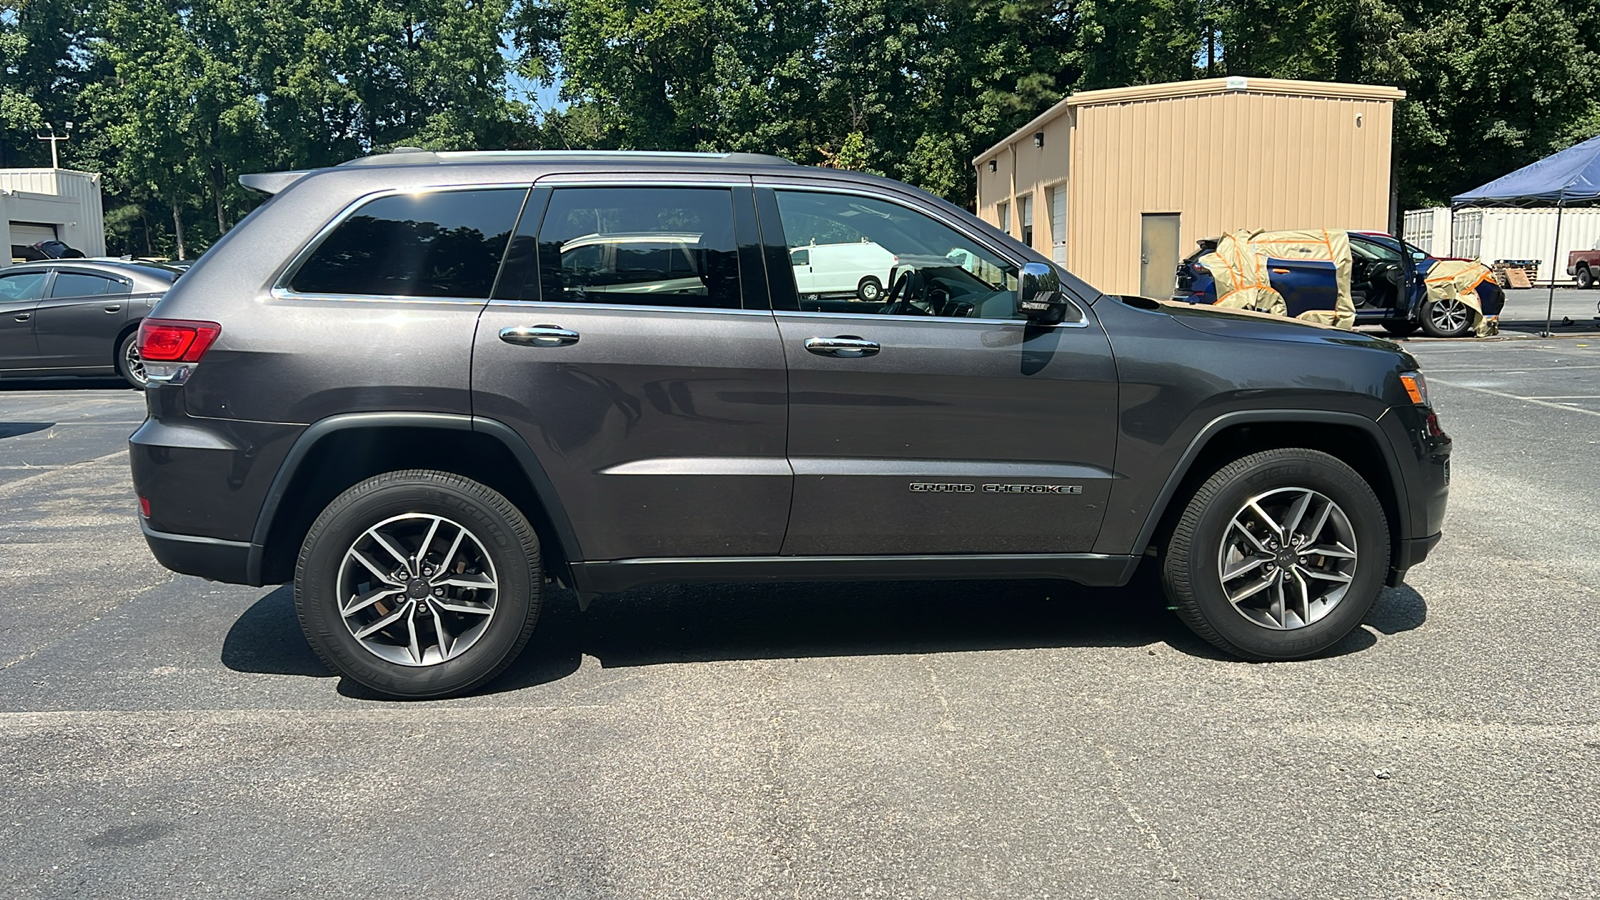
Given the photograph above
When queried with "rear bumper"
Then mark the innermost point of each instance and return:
(210, 558)
(1411, 552)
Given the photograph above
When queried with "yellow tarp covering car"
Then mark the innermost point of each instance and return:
(1243, 267)
(1458, 279)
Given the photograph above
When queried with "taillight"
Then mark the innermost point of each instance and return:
(1197, 269)
(144, 507)
(170, 348)
(176, 340)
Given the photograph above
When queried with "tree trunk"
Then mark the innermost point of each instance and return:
(219, 179)
(144, 223)
(177, 228)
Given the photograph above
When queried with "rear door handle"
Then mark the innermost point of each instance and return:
(24, 317)
(538, 335)
(115, 307)
(845, 346)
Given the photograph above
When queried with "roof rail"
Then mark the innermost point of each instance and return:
(400, 156)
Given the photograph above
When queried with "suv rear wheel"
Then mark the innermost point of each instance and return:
(1585, 277)
(1279, 555)
(419, 583)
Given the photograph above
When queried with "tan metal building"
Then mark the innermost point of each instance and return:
(1117, 185)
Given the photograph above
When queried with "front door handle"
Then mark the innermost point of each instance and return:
(24, 317)
(115, 307)
(538, 335)
(845, 346)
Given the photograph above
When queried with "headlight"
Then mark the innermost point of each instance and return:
(1416, 387)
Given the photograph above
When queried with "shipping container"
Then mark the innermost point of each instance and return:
(1493, 235)
(1428, 230)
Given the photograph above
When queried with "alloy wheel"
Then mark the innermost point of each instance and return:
(417, 589)
(1448, 316)
(1287, 558)
(133, 364)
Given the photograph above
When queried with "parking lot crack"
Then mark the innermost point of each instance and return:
(1152, 839)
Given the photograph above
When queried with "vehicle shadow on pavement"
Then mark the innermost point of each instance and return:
(64, 383)
(704, 623)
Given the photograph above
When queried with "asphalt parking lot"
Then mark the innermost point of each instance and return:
(165, 736)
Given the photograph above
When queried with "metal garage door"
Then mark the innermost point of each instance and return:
(1058, 224)
(25, 233)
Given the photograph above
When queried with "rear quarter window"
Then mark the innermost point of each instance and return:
(435, 244)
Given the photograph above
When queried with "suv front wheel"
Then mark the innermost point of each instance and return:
(1279, 555)
(419, 583)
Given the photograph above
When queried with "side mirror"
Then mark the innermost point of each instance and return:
(1039, 296)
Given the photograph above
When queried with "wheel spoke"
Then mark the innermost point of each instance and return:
(381, 624)
(1255, 541)
(478, 581)
(1277, 529)
(1305, 599)
(1296, 513)
(450, 555)
(1252, 590)
(462, 608)
(428, 541)
(411, 635)
(1337, 551)
(1327, 576)
(1278, 613)
(388, 544)
(443, 635)
(1244, 566)
(357, 604)
(379, 573)
(1322, 522)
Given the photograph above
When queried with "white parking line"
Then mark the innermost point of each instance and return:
(10, 487)
(1483, 390)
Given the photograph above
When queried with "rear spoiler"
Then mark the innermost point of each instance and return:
(270, 183)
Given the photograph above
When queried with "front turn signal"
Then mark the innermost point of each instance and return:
(1416, 387)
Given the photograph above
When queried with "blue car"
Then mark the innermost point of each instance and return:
(1388, 285)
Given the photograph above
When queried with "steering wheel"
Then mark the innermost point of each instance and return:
(899, 295)
(1385, 271)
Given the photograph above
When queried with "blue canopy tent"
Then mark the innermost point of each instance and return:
(1569, 177)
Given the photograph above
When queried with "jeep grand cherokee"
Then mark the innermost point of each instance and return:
(421, 385)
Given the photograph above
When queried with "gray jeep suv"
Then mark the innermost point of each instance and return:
(424, 385)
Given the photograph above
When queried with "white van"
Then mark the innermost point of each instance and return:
(857, 268)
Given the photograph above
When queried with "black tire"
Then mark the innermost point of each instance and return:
(1458, 323)
(1399, 327)
(1192, 565)
(1585, 277)
(129, 366)
(870, 289)
(503, 537)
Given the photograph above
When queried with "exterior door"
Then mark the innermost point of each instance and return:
(1158, 254)
(939, 421)
(654, 397)
(1058, 224)
(77, 325)
(20, 293)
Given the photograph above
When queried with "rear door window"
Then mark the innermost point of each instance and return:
(650, 246)
(79, 284)
(433, 244)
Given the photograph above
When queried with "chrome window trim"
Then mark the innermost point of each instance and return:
(284, 294)
(281, 283)
(503, 303)
(1083, 321)
(936, 214)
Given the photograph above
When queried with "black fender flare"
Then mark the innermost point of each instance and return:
(543, 487)
(1288, 416)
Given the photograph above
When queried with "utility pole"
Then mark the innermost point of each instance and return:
(54, 139)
